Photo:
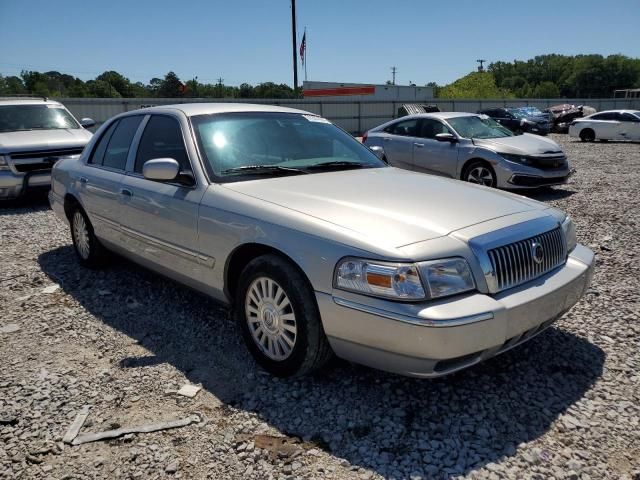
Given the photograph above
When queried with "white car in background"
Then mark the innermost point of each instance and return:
(607, 125)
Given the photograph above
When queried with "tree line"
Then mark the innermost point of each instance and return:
(549, 76)
(112, 84)
(544, 76)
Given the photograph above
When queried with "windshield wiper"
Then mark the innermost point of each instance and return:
(335, 164)
(262, 169)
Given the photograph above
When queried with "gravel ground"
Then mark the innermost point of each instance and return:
(123, 340)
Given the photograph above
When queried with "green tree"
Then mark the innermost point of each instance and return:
(474, 85)
(170, 87)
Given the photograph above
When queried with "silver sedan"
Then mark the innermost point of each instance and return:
(469, 147)
(320, 247)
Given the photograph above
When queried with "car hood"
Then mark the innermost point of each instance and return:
(43, 139)
(525, 144)
(388, 206)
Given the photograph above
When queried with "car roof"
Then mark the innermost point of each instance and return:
(192, 109)
(27, 101)
(616, 111)
(441, 115)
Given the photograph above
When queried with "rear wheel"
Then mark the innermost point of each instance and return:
(587, 135)
(88, 248)
(279, 318)
(480, 172)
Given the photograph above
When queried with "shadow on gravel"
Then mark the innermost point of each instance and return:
(394, 425)
(545, 194)
(35, 201)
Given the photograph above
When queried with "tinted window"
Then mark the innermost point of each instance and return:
(101, 147)
(627, 117)
(430, 128)
(406, 128)
(116, 154)
(604, 116)
(162, 138)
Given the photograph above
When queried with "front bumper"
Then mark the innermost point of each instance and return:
(13, 185)
(440, 337)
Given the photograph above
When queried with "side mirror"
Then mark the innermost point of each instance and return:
(161, 169)
(446, 137)
(378, 151)
(87, 123)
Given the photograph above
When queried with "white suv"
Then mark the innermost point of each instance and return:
(34, 134)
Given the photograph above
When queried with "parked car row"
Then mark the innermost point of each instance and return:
(520, 120)
(322, 248)
(469, 147)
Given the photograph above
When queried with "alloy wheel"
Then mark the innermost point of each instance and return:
(271, 319)
(81, 235)
(480, 175)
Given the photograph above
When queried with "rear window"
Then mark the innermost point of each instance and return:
(113, 148)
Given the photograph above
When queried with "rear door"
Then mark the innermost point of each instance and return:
(431, 155)
(629, 127)
(99, 188)
(397, 140)
(160, 219)
(606, 125)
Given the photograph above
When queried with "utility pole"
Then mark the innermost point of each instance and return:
(293, 38)
(393, 72)
(480, 67)
(220, 86)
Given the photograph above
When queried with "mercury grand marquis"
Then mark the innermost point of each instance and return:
(320, 247)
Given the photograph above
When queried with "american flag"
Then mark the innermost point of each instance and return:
(303, 47)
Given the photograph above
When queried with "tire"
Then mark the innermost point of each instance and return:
(480, 173)
(88, 248)
(587, 135)
(277, 313)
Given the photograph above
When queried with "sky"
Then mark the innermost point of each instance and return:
(347, 41)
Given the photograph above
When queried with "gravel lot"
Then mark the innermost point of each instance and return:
(123, 340)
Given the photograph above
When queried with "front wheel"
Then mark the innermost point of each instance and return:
(481, 173)
(88, 248)
(587, 135)
(279, 318)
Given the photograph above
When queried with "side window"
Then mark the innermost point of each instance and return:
(118, 148)
(162, 138)
(604, 116)
(407, 128)
(627, 117)
(430, 128)
(98, 152)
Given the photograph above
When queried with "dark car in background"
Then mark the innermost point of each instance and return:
(518, 120)
(563, 115)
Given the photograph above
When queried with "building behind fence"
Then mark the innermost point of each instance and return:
(354, 116)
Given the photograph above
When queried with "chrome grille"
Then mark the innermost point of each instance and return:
(514, 264)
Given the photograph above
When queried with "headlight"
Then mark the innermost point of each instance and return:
(569, 230)
(393, 280)
(402, 281)
(521, 159)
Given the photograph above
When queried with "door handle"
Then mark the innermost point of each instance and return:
(386, 139)
(419, 145)
(84, 180)
(126, 192)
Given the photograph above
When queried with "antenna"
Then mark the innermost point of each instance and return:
(480, 67)
(393, 71)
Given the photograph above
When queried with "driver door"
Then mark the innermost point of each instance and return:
(431, 155)
(159, 219)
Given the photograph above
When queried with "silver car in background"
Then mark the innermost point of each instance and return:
(319, 246)
(34, 134)
(469, 147)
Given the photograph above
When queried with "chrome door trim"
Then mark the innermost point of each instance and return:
(170, 247)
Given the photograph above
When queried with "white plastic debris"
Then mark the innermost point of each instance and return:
(189, 390)
(51, 288)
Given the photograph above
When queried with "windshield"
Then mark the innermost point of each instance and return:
(35, 117)
(478, 127)
(259, 143)
(518, 113)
